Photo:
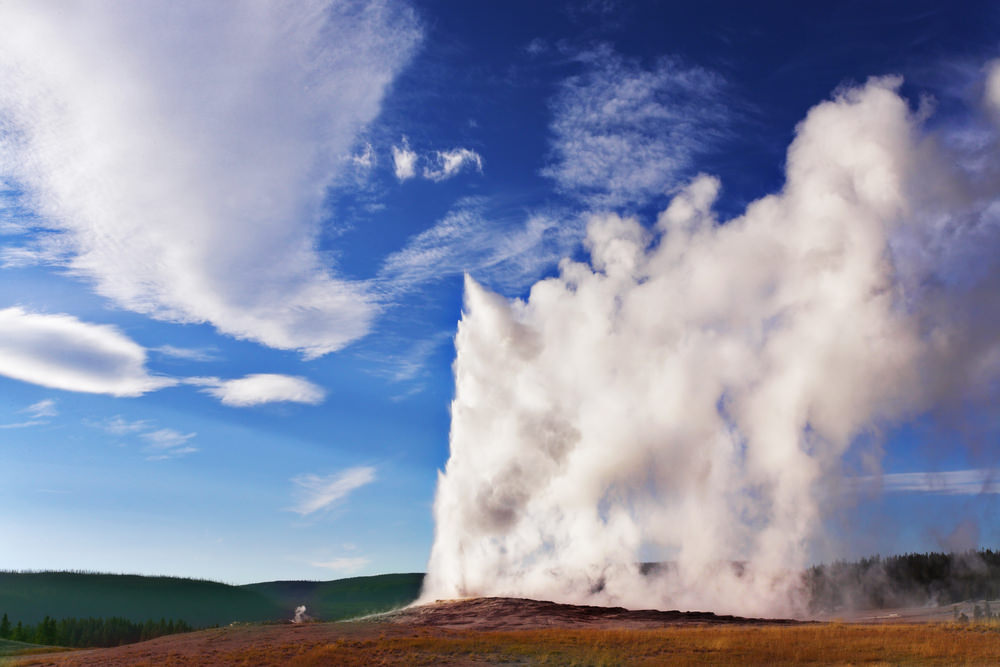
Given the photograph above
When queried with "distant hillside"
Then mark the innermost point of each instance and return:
(30, 596)
(343, 598)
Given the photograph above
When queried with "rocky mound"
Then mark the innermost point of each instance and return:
(521, 614)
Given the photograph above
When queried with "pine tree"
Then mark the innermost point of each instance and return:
(5, 627)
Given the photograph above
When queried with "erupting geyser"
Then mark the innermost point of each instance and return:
(692, 390)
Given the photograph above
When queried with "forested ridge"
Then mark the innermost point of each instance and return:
(89, 632)
(905, 580)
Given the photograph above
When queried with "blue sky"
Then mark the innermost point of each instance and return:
(233, 239)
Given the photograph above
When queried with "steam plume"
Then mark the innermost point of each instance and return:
(691, 391)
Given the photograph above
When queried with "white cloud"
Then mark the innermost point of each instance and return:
(992, 92)
(444, 164)
(953, 483)
(62, 352)
(187, 353)
(450, 163)
(42, 409)
(260, 388)
(503, 253)
(364, 160)
(160, 443)
(408, 366)
(178, 153)
(316, 493)
(119, 426)
(167, 443)
(342, 564)
(404, 161)
(38, 414)
(623, 134)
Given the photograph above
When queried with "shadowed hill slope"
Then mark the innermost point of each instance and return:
(30, 596)
(343, 598)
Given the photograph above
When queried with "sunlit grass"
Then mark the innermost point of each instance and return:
(733, 645)
(360, 644)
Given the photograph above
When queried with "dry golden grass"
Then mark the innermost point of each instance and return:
(357, 644)
(828, 644)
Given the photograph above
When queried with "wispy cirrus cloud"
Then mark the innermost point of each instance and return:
(176, 154)
(167, 443)
(971, 482)
(346, 565)
(315, 493)
(503, 252)
(159, 443)
(38, 414)
(187, 353)
(120, 426)
(42, 409)
(623, 133)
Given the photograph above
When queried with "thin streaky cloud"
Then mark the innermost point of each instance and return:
(187, 353)
(316, 493)
(38, 414)
(971, 482)
(506, 254)
(42, 409)
(346, 565)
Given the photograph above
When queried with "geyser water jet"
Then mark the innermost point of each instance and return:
(692, 390)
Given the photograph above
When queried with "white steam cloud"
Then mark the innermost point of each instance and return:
(688, 394)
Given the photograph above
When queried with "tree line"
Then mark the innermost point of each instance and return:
(89, 632)
(910, 579)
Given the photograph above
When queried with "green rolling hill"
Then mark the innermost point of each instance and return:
(30, 596)
(343, 598)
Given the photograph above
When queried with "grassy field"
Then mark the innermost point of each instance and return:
(9, 648)
(827, 644)
(356, 644)
(29, 596)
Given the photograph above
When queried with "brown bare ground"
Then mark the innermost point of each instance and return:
(501, 631)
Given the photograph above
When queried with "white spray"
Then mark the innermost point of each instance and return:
(690, 393)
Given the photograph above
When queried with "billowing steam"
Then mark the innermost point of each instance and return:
(691, 392)
(300, 615)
